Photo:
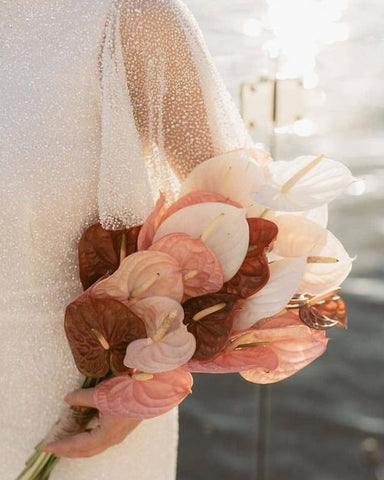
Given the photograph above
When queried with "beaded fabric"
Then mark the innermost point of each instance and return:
(163, 101)
(105, 103)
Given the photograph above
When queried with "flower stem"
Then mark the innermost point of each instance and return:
(40, 464)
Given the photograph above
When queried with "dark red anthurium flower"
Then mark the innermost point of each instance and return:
(100, 251)
(98, 332)
(253, 274)
(209, 318)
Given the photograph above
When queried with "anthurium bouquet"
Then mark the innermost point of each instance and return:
(239, 274)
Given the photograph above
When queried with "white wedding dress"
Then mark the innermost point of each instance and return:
(103, 103)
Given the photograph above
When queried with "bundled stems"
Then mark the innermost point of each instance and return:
(40, 464)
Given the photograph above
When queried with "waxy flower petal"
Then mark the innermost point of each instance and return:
(304, 183)
(98, 332)
(137, 397)
(209, 318)
(284, 281)
(152, 223)
(317, 215)
(254, 271)
(169, 344)
(295, 345)
(234, 175)
(202, 272)
(223, 228)
(198, 196)
(234, 361)
(143, 274)
(297, 236)
(100, 251)
(321, 277)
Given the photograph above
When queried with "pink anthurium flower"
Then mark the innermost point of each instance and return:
(223, 228)
(143, 274)
(295, 345)
(202, 272)
(151, 224)
(302, 184)
(235, 174)
(198, 196)
(234, 359)
(143, 395)
(169, 344)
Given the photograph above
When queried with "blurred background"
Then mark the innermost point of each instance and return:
(325, 59)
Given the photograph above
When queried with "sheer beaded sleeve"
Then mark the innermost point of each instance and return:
(165, 107)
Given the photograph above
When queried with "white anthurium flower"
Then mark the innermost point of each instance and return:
(285, 278)
(302, 184)
(297, 236)
(234, 175)
(222, 227)
(327, 267)
(318, 215)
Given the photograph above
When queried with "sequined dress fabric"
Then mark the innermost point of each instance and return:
(103, 103)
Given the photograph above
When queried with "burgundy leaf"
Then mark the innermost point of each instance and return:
(214, 329)
(253, 274)
(99, 251)
(98, 332)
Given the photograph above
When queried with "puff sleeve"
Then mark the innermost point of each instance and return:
(165, 108)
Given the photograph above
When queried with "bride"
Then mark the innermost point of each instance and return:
(105, 102)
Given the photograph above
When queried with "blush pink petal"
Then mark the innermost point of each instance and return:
(126, 396)
(138, 269)
(295, 345)
(236, 361)
(151, 224)
(160, 353)
(228, 229)
(193, 256)
(199, 196)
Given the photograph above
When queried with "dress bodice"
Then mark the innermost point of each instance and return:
(50, 144)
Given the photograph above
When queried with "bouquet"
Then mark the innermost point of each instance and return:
(239, 275)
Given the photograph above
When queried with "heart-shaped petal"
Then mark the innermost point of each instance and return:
(202, 272)
(317, 215)
(285, 278)
(304, 183)
(209, 318)
(295, 345)
(98, 332)
(198, 196)
(223, 228)
(143, 396)
(169, 344)
(231, 361)
(297, 236)
(322, 275)
(233, 174)
(100, 251)
(143, 274)
(254, 271)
